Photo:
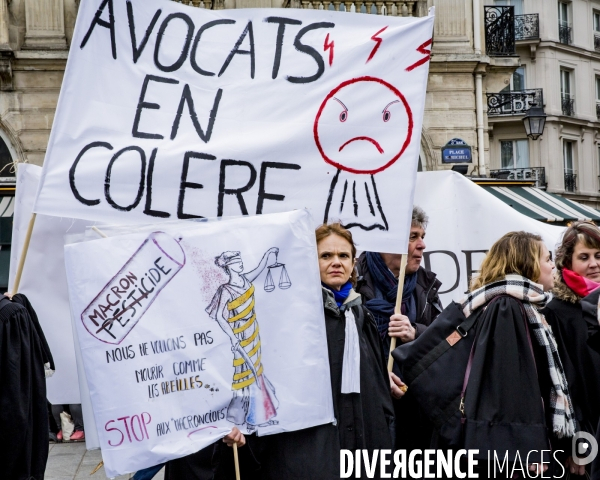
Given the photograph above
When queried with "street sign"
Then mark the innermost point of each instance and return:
(456, 151)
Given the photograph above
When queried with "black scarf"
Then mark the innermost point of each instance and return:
(386, 290)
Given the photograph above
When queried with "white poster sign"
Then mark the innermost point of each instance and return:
(169, 111)
(464, 222)
(44, 281)
(194, 328)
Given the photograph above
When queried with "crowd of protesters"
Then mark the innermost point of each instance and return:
(528, 377)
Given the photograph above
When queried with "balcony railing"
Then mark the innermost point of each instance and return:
(514, 103)
(209, 4)
(597, 42)
(565, 34)
(500, 30)
(538, 174)
(402, 8)
(570, 182)
(527, 27)
(568, 105)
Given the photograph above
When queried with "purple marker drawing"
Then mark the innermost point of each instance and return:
(126, 297)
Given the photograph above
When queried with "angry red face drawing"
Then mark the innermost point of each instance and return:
(363, 126)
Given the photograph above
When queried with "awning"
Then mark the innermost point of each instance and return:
(541, 205)
(7, 206)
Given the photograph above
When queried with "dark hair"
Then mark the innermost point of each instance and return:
(516, 253)
(586, 232)
(328, 229)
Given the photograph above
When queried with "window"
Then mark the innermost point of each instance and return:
(565, 82)
(598, 98)
(517, 81)
(566, 92)
(596, 30)
(564, 26)
(570, 175)
(599, 167)
(518, 4)
(568, 157)
(514, 154)
(563, 13)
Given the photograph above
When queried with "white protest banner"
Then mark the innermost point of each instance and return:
(464, 222)
(197, 327)
(44, 281)
(169, 111)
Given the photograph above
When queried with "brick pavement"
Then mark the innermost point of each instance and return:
(70, 461)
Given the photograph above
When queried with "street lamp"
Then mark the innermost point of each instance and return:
(534, 121)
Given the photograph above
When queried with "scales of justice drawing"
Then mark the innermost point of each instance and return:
(363, 127)
(254, 402)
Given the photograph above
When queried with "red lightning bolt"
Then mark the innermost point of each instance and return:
(329, 46)
(377, 41)
(425, 51)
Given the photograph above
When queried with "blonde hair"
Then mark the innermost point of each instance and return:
(338, 229)
(515, 253)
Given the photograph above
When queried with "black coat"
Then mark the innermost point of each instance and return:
(508, 386)
(589, 307)
(364, 421)
(413, 428)
(581, 363)
(23, 411)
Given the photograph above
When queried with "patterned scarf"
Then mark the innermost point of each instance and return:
(533, 298)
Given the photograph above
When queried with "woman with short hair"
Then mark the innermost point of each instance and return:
(577, 275)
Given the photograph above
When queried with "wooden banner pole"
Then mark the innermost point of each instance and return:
(97, 230)
(398, 306)
(17, 281)
(237, 463)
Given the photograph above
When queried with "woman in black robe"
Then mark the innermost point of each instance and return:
(23, 411)
(359, 380)
(578, 273)
(516, 394)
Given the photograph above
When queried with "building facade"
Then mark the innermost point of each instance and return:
(559, 70)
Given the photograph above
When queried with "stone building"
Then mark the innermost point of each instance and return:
(558, 44)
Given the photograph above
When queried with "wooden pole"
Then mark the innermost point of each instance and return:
(98, 467)
(97, 230)
(398, 306)
(237, 463)
(17, 281)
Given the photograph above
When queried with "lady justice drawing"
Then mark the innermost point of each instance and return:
(254, 402)
(362, 127)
